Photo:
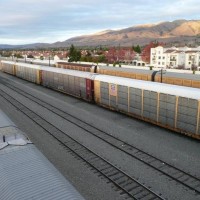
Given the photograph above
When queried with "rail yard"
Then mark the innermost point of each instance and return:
(173, 107)
(100, 150)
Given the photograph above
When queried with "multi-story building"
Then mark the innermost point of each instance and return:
(146, 52)
(183, 57)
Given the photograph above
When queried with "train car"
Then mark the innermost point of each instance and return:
(25, 172)
(49, 63)
(189, 80)
(173, 107)
(30, 61)
(25, 71)
(126, 72)
(74, 66)
(183, 79)
(8, 67)
(28, 72)
(76, 83)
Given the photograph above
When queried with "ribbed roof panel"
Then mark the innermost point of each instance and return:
(26, 174)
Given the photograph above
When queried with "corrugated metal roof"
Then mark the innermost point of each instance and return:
(180, 75)
(26, 174)
(22, 64)
(133, 70)
(69, 72)
(55, 70)
(74, 64)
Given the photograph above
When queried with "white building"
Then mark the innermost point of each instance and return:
(137, 61)
(183, 57)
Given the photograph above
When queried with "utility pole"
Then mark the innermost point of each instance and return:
(161, 74)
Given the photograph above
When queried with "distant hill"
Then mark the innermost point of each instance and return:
(179, 32)
(26, 46)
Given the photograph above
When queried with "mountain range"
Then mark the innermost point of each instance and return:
(178, 32)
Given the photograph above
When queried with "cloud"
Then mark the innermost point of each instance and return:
(28, 21)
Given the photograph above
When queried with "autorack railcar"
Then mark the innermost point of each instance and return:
(28, 72)
(175, 78)
(77, 83)
(173, 107)
(126, 72)
(8, 67)
(25, 71)
(184, 79)
(74, 66)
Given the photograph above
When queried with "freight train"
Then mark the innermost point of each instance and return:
(183, 79)
(173, 107)
(25, 172)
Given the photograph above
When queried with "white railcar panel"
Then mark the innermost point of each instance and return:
(70, 72)
(187, 92)
(22, 64)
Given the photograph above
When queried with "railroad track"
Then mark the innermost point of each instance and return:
(129, 187)
(184, 178)
(190, 181)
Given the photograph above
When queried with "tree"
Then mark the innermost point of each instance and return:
(74, 54)
(101, 59)
(6, 54)
(137, 49)
(78, 56)
(18, 55)
(30, 56)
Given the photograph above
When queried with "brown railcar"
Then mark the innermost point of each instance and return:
(74, 66)
(189, 80)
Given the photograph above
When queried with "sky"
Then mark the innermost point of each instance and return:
(48, 21)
